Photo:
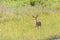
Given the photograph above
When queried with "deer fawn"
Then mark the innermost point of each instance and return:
(37, 23)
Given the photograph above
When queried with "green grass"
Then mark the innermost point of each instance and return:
(17, 26)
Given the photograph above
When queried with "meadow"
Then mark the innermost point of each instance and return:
(17, 23)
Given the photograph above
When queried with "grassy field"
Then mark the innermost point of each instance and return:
(18, 24)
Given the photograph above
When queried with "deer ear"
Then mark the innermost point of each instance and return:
(33, 16)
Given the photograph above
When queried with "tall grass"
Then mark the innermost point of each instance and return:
(18, 24)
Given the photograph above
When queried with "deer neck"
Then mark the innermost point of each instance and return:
(36, 20)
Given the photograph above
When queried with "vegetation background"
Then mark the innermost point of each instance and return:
(16, 22)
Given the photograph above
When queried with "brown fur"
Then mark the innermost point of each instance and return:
(38, 23)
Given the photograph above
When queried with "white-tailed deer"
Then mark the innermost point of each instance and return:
(37, 23)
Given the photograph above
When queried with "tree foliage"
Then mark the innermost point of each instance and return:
(29, 2)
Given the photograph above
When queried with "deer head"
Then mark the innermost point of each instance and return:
(35, 17)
